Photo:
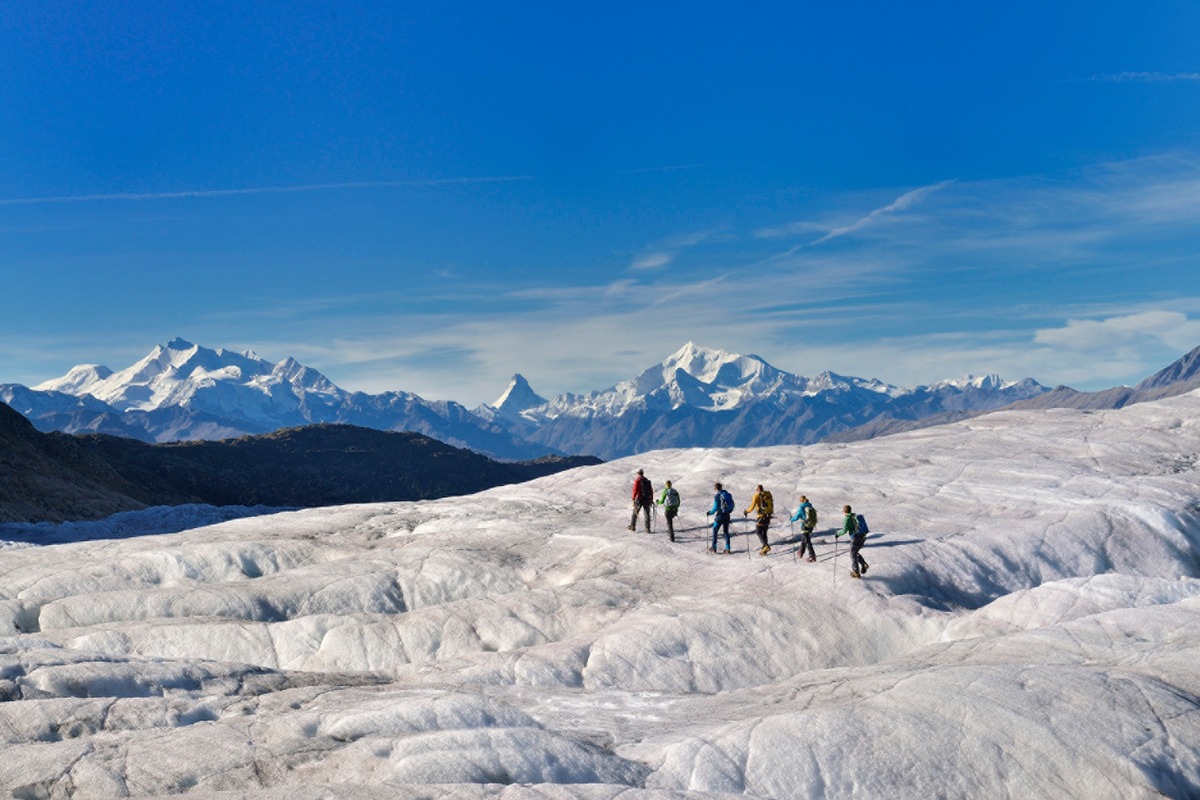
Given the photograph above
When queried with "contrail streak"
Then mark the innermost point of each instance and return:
(314, 187)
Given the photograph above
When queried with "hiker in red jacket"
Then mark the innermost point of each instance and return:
(643, 500)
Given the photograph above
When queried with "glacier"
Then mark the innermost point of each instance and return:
(1029, 628)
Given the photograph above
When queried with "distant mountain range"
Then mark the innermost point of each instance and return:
(700, 397)
(55, 477)
(1178, 378)
(696, 397)
(181, 391)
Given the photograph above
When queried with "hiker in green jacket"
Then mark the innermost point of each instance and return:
(670, 503)
(850, 526)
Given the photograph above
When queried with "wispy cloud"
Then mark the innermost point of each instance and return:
(664, 252)
(901, 203)
(668, 168)
(1171, 328)
(1147, 77)
(206, 193)
(652, 260)
(801, 228)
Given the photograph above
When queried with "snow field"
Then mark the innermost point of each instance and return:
(1029, 628)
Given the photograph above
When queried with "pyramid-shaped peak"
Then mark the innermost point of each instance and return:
(518, 397)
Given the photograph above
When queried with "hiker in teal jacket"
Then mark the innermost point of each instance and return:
(807, 513)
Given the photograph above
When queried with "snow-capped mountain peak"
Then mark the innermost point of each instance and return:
(181, 373)
(700, 377)
(518, 397)
(78, 381)
(714, 366)
(991, 381)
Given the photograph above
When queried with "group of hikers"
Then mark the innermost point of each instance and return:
(762, 505)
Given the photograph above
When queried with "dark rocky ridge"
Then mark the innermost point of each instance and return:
(56, 477)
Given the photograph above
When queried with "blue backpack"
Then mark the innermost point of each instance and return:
(863, 530)
(726, 504)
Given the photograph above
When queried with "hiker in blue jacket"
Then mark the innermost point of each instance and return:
(722, 507)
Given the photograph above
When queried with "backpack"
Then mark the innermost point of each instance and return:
(810, 515)
(671, 499)
(766, 504)
(646, 492)
(863, 530)
(725, 502)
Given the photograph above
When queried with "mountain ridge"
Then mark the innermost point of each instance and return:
(57, 477)
(696, 396)
(701, 396)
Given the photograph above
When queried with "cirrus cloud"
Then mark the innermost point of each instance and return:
(1172, 328)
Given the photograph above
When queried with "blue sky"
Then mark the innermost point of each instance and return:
(433, 196)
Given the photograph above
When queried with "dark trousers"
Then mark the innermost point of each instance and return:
(806, 541)
(720, 521)
(856, 559)
(670, 515)
(761, 529)
(644, 509)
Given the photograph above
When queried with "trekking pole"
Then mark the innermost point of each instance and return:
(835, 555)
(792, 536)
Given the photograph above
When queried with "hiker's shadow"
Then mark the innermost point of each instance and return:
(871, 537)
(818, 537)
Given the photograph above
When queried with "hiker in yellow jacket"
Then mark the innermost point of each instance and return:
(764, 504)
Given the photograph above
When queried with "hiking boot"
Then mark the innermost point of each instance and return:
(712, 549)
(672, 537)
(854, 575)
(766, 548)
(812, 558)
(632, 528)
(728, 552)
(864, 568)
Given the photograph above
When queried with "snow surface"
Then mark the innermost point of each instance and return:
(1029, 628)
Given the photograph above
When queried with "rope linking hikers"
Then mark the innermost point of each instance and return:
(762, 505)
